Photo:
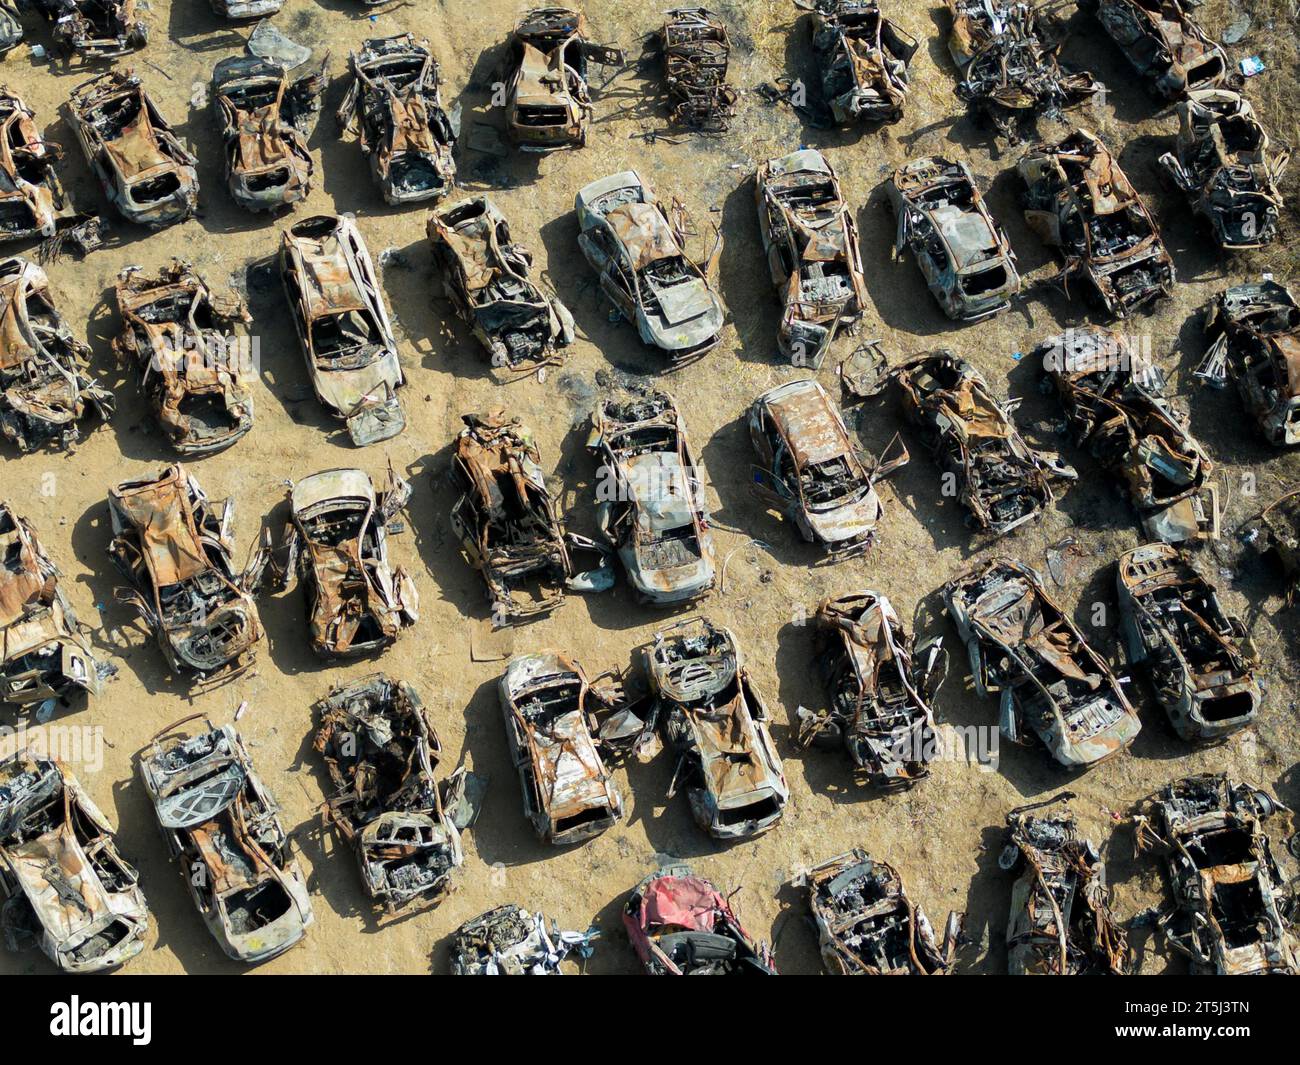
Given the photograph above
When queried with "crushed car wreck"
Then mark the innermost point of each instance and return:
(222, 827)
(510, 941)
(696, 50)
(96, 29)
(192, 352)
(486, 276)
(863, 58)
(1164, 44)
(1233, 910)
(63, 881)
(1052, 686)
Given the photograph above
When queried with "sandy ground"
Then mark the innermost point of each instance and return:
(945, 834)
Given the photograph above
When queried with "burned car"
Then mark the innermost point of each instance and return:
(64, 883)
(1061, 922)
(1052, 686)
(394, 108)
(507, 523)
(222, 827)
(637, 250)
(11, 28)
(1254, 334)
(881, 687)
(867, 925)
(696, 51)
(812, 253)
(264, 118)
(44, 651)
(46, 390)
(649, 498)
(551, 713)
(681, 925)
(510, 941)
(144, 170)
(1275, 534)
(486, 276)
(716, 722)
(1118, 406)
(174, 546)
(343, 327)
(96, 29)
(1000, 480)
(1223, 164)
(1233, 911)
(381, 752)
(1202, 663)
(192, 351)
(548, 101)
(1164, 44)
(961, 250)
(1081, 204)
(864, 58)
(811, 471)
(337, 545)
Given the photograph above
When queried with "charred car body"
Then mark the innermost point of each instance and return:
(864, 58)
(63, 881)
(343, 327)
(394, 106)
(959, 247)
(11, 29)
(510, 941)
(1164, 44)
(192, 352)
(486, 275)
(696, 51)
(95, 29)
(223, 829)
(1026, 650)
(1275, 533)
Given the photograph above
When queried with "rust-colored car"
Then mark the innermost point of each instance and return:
(863, 59)
(1164, 44)
(696, 50)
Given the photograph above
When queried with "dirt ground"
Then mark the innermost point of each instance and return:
(946, 833)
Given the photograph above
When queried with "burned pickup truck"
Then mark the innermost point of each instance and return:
(880, 686)
(867, 925)
(1223, 164)
(986, 464)
(192, 352)
(394, 107)
(510, 941)
(222, 828)
(46, 390)
(863, 60)
(1052, 686)
(716, 722)
(696, 51)
(144, 170)
(1061, 923)
(1201, 662)
(1164, 44)
(96, 29)
(63, 882)
(486, 276)
(1233, 911)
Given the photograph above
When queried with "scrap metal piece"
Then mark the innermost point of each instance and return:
(961, 250)
(680, 925)
(1233, 908)
(192, 352)
(864, 59)
(96, 29)
(1164, 44)
(46, 390)
(1061, 922)
(716, 721)
(510, 941)
(245, 9)
(486, 276)
(381, 752)
(223, 829)
(1081, 204)
(62, 878)
(144, 170)
(1052, 686)
(629, 240)
(343, 326)
(696, 51)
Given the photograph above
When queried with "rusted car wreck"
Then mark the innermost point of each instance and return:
(1275, 534)
(510, 941)
(880, 686)
(46, 390)
(11, 28)
(696, 51)
(1061, 923)
(1079, 201)
(985, 463)
(863, 58)
(868, 926)
(146, 173)
(95, 29)
(1052, 686)
(487, 277)
(64, 883)
(1164, 44)
(381, 752)
(192, 352)
(394, 107)
(222, 828)
(1233, 909)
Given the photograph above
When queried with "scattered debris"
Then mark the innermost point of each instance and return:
(696, 51)
(510, 941)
